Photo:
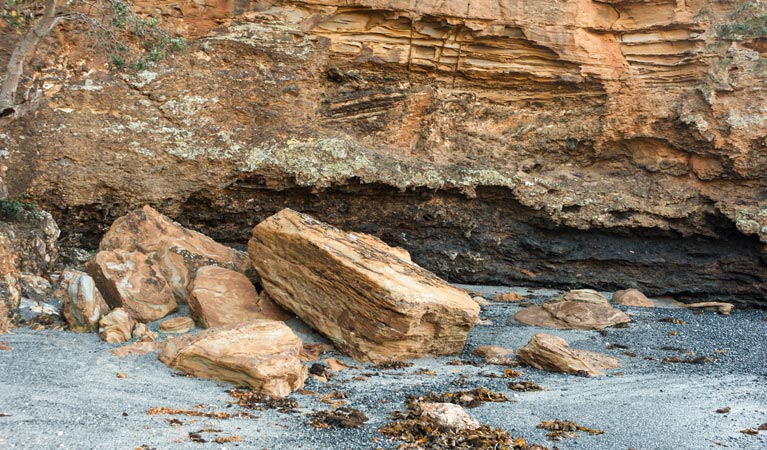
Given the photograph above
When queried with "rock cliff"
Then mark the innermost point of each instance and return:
(605, 144)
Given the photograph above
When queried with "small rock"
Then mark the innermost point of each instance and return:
(359, 292)
(117, 326)
(119, 375)
(34, 287)
(130, 280)
(448, 415)
(632, 297)
(584, 296)
(496, 355)
(552, 353)
(83, 305)
(143, 333)
(222, 297)
(720, 307)
(263, 354)
(176, 325)
(507, 297)
(480, 300)
(336, 365)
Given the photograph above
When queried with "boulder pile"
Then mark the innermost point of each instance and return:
(579, 309)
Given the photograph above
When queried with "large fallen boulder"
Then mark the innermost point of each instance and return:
(83, 306)
(359, 292)
(132, 281)
(148, 231)
(223, 297)
(552, 353)
(263, 354)
(581, 309)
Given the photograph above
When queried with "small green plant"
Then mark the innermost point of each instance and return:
(747, 21)
(16, 208)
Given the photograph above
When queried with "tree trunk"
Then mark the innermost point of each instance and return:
(20, 54)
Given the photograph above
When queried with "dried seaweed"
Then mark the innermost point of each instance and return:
(696, 360)
(343, 417)
(421, 433)
(189, 412)
(508, 373)
(227, 439)
(393, 365)
(560, 429)
(524, 386)
(468, 399)
(673, 320)
(247, 398)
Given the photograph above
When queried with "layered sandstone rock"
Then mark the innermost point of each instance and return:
(263, 354)
(492, 141)
(580, 309)
(10, 291)
(223, 297)
(131, 281)
(371, 303)
(632, 297)
(117, 326)
(448, 415)
(552, 353)
(496, 355)
(176, 325)
(83, 306)
(148, 231)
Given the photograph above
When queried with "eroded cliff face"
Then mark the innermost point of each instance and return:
(604, 144)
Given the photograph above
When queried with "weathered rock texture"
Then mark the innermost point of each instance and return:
(131, 281)
(263, 354)
(372, 304)
(632, 297)
(177, 325)
(83, 306)
(223, 297)
(10, 291)
(117, 326)
(614, 143)
(552, 353)
(580, 309)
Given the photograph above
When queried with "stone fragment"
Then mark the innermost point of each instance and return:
(117, 326)
(552, 353)
(142, 333)
(222, 297)
(34, 287)
(372, 304)
(130, 280)
(632, 297)
(336, 365)
(586, 316)
(176, 325)
(83, 306)
(720, 307)
(263, 354)
(584, 296)
(136, 349)
(507, 297)
(148, 231)
(481, 301)
(448, 415)
(496, 355)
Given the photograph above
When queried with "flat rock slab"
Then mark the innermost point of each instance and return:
(132, 281)
(370, 301)
(223, 297)
(176, 325)
(632, 297)
(263, 354)
(552, 353)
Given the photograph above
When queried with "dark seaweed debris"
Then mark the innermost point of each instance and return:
(343, 417)
(247, 398)
(524, 386)
(469, 399)
(560, 429)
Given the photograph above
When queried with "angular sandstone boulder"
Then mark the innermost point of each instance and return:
(579, 309)
(130, 280)
(222, 297)
(369, 301)
(552, 353)
(263, 354)
(117, 326)
(632, 297)
(83, 306)
(448, 415)
(148, 231)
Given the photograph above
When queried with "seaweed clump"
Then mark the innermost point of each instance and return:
(343, 417)
(468, 399)
(423, 433)
(249, 399)
(560, 429)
